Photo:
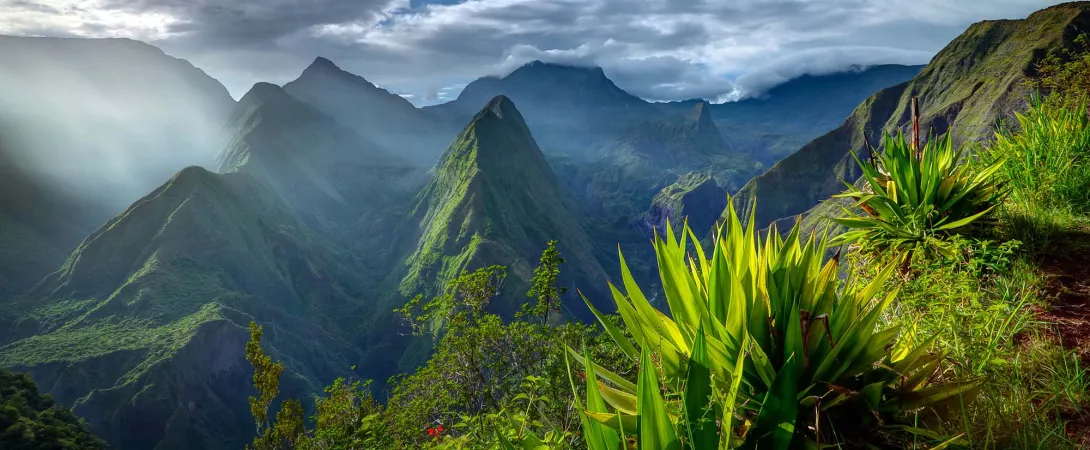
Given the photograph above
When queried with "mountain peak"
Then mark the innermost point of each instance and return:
(323, 63)
(497, 134)
(549, 67)
(265, 93)
(700, 116)
(502, 107)
(322, 69)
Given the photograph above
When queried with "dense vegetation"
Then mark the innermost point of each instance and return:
(487, 381)
(32, 421)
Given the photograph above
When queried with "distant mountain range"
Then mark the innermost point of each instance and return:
(389, 120)
(790, 115)
(571, 108)
(321, 205)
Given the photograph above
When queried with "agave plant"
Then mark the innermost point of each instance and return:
(763, 346)
(912, 197)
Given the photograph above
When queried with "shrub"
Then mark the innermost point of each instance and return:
(764, 339)
(912, 199)
(1066, 70)
(1048, 156)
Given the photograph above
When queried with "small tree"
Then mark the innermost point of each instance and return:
(543, 285)
(288, 428)
(346, 418)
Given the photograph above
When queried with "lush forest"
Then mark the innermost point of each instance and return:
(30, 420)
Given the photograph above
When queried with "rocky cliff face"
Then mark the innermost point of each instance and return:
(694, 198)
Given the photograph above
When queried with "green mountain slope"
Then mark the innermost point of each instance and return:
(87, 126)
(142, 329)
(494, 200)
(977, 79)
(373, 112)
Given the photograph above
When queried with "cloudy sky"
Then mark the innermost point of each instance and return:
(427, 49)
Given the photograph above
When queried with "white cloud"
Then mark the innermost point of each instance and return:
(821, 61)
(89, 18)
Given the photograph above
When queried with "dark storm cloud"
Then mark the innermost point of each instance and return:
(658, 49)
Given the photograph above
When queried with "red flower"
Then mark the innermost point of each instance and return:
(439, 429)
(431, 432)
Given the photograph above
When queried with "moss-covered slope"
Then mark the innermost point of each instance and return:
(494, 200)
(143, 328)
(977, 79)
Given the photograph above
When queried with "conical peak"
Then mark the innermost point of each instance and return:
(499, 110)
(700, 115)
(191, 175)
(324, 66)
(323, 63)
(499, 132)
(322, 70)
(503, 108)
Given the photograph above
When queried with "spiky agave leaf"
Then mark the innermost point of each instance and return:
(782, 338)
(654, 428)
(699, 409)
(909, 198)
